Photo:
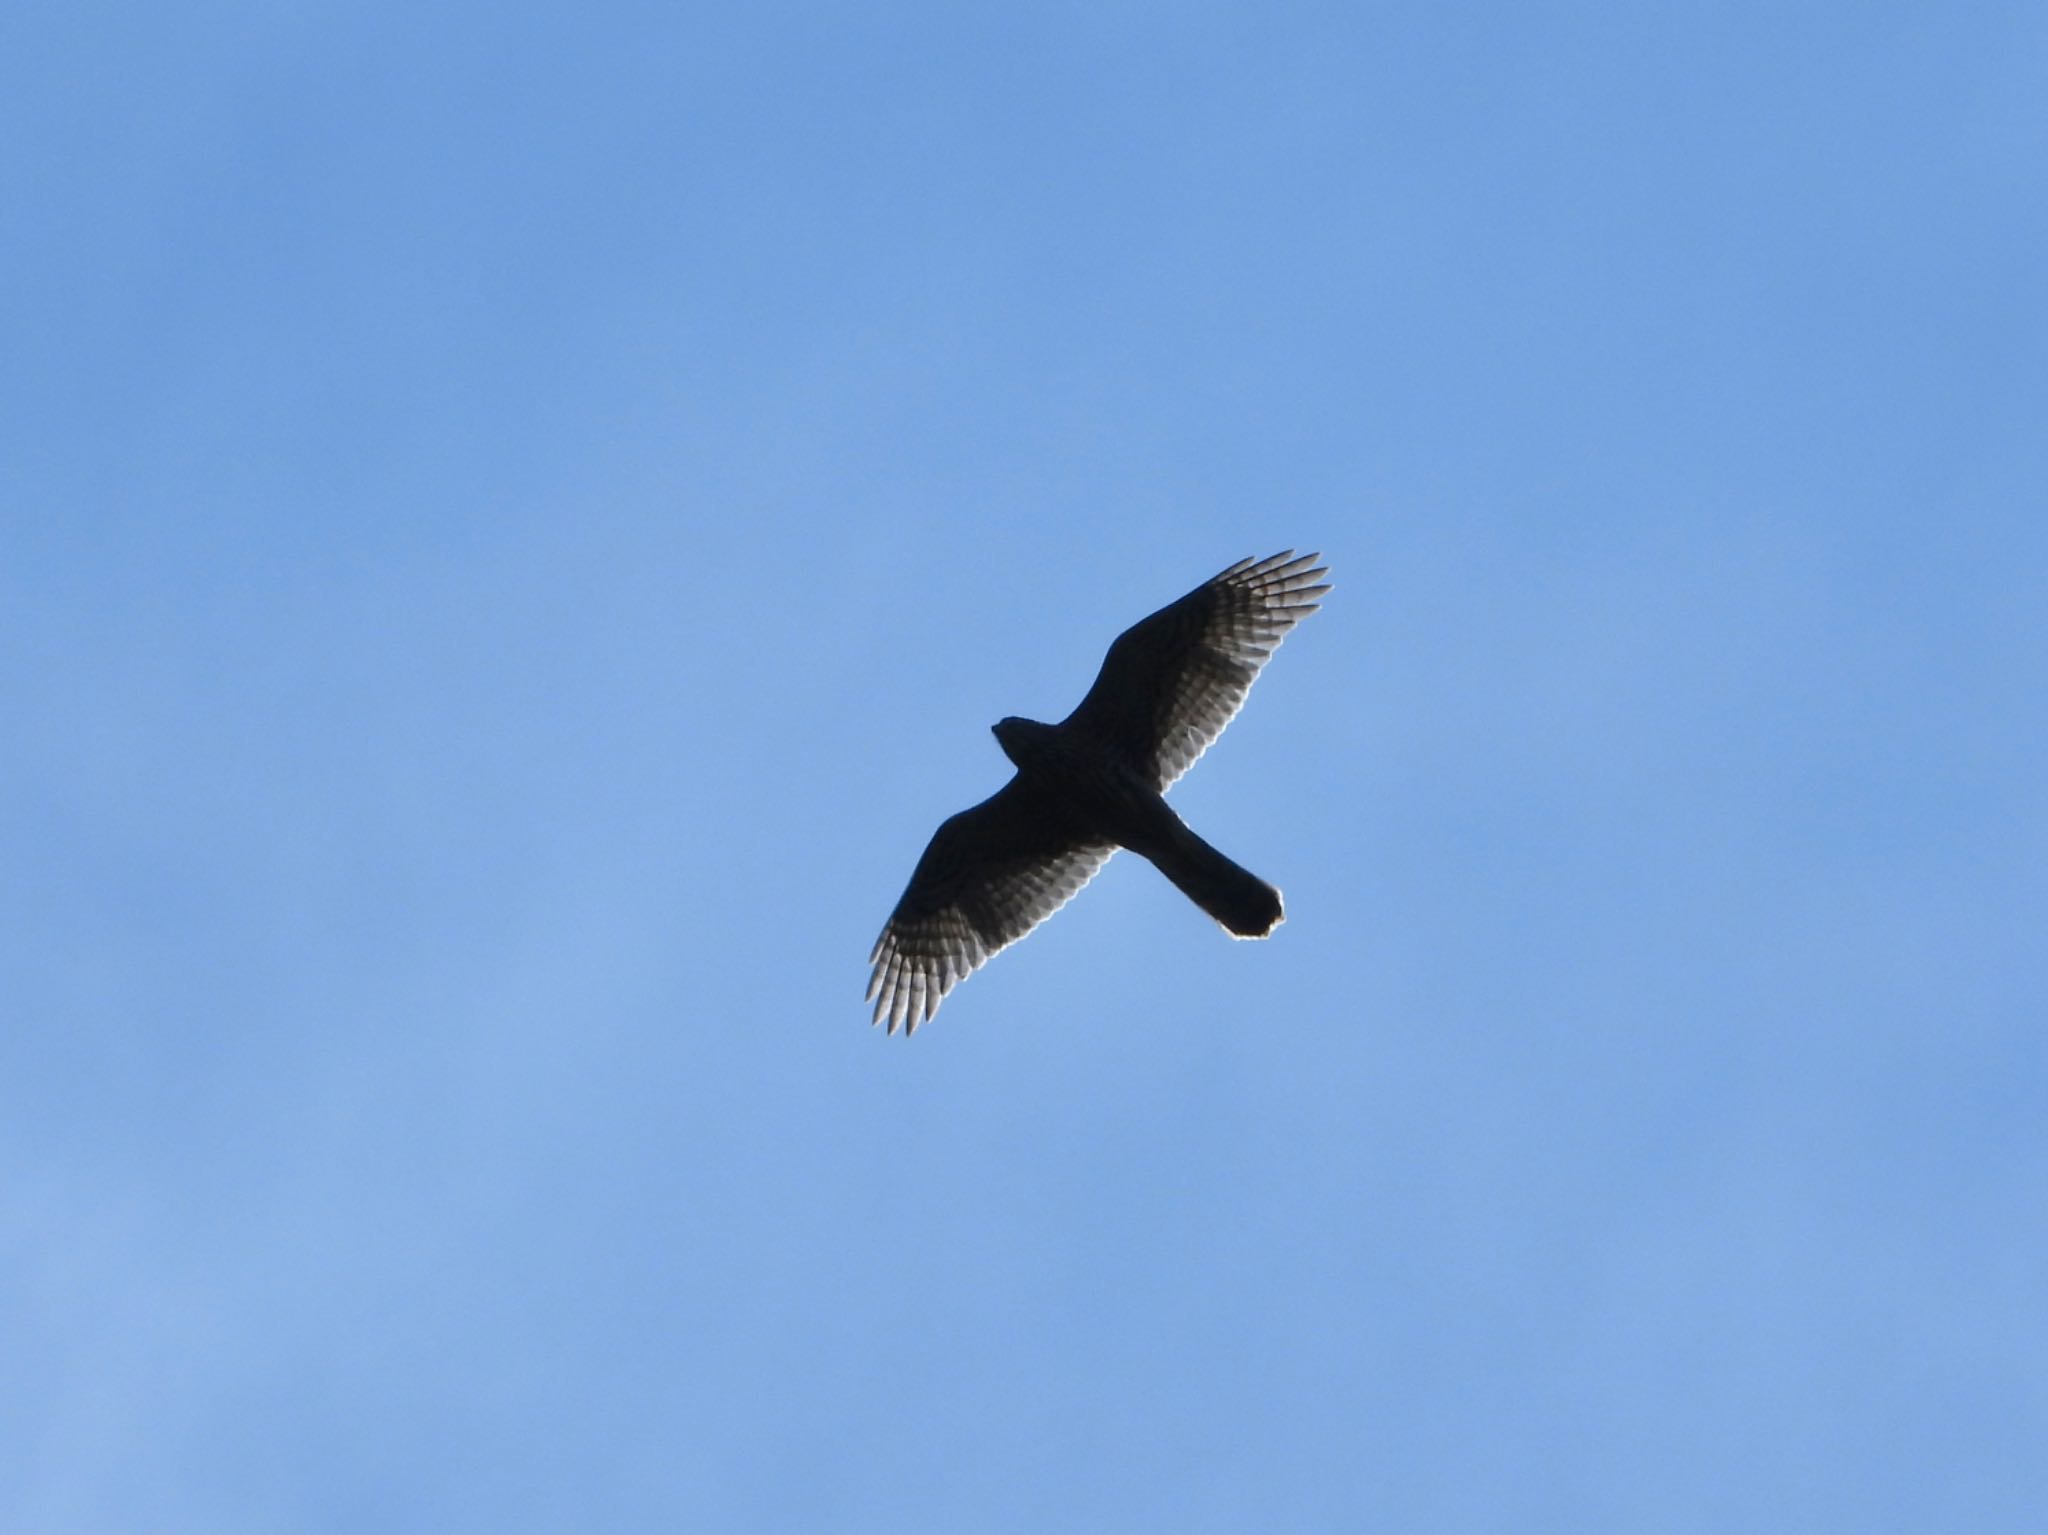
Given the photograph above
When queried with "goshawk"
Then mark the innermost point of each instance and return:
(1093, 783)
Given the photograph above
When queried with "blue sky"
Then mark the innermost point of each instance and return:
(514, 526)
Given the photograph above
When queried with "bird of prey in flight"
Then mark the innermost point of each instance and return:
(1093, 783)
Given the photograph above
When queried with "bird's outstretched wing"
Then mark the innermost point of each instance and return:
(1173, 681)
(990, 875)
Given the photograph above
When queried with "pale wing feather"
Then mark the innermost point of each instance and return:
(989, 876)
(1171, 682)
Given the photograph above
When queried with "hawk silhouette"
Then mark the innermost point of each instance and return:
(1094, 783)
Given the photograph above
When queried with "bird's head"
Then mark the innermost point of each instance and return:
(1018, 736)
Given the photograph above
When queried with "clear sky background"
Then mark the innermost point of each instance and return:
(514, 525)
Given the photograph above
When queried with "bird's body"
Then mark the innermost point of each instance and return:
(1120, 807)
(1093, 783)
